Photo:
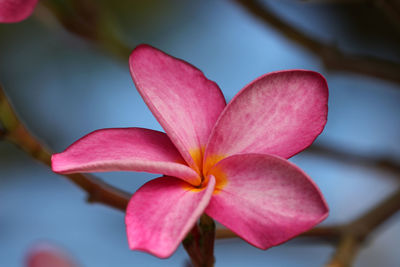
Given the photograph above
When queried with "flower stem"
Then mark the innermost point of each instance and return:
(199, 243)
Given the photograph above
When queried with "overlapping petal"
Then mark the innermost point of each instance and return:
(162, 212)
(264, 199)
(124, 149)
(280, 113)
(16, 10)
(183, 100)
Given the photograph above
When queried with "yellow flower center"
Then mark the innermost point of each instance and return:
(206, 169)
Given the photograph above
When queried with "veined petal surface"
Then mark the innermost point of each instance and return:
(264, 199)
(183, 100)
(124, 149)
(16, 10)
(162, 212)
(280, 113)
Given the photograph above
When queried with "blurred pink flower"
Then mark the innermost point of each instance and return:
(46, 255)
(16, 10)
(228, 161)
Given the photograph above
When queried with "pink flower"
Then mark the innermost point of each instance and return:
(16, 10)
(228, 161)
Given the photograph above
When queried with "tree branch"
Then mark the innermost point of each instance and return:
(385, 164)
(345, 252)
(391, 9)
(373, 218)
(357, 231)
(2, 132)
(329, 233)
(331, 56)
(15, 132)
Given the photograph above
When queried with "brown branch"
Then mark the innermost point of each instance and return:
(366, 223)
(332, 1)
(382, 163)
(345, 253)
(357, 231)
(223, 233)
(391, 9)
(331, 56)
(2, 132)
(329, 233)
(15, 132)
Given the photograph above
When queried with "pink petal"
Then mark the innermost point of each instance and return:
(280, 113)
(16, 10)
(183, 100)
(124, 149)
(162, 212)
(265, 199)
(44, 255)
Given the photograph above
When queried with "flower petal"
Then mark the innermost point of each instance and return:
(16, 10)
(124, 149)
(280, 113)
(264, 199)
(46, 255)
(162, 212)
(183, 100)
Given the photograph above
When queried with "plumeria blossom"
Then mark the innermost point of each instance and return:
(229, 161)
(16, 10)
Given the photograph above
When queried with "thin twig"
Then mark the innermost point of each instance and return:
(15, 132)
(331, 56)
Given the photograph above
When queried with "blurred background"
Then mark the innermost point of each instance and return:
(65, 70)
